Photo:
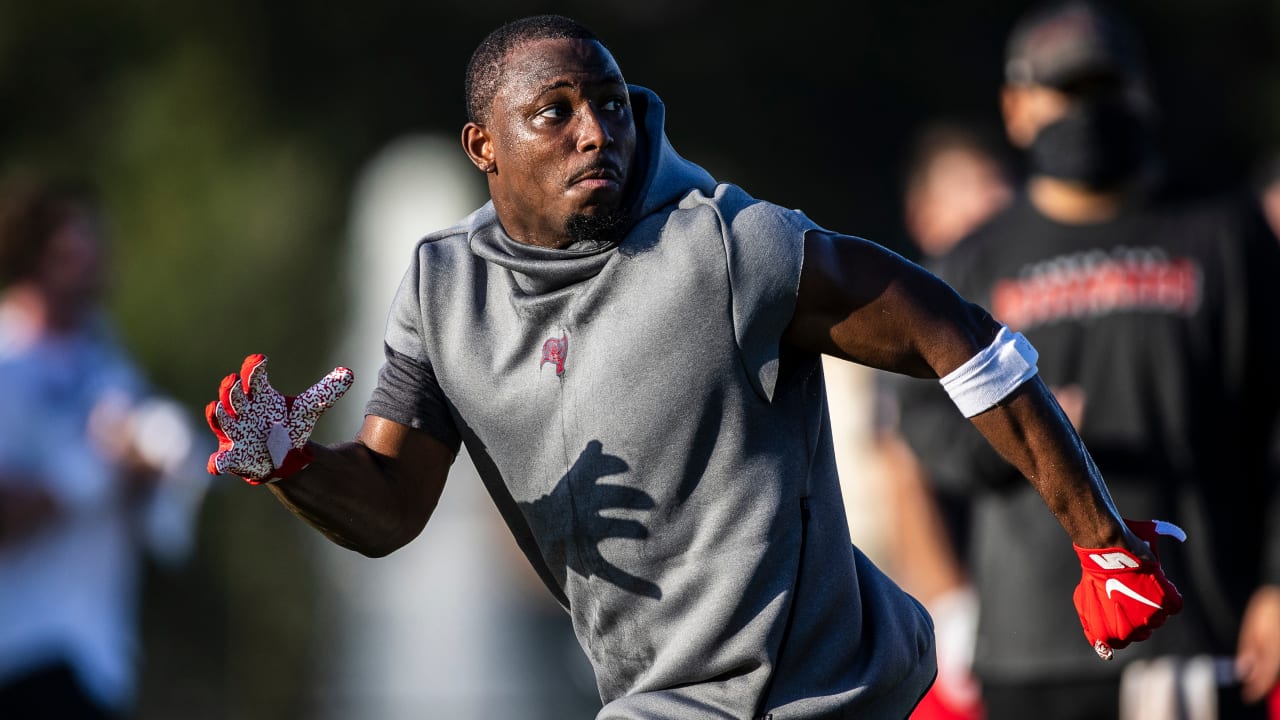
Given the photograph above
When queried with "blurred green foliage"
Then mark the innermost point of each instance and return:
(225, 138)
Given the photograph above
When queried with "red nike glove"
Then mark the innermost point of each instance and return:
(262, 435)
(1121, 598)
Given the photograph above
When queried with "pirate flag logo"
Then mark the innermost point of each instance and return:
(555, 351)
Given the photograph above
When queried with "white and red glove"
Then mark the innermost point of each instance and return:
(262, 435)
(1121, 598)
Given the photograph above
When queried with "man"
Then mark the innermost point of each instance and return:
(1156, 325)
(95, 466)
(630, 352)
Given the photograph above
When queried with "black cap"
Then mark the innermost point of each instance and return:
(1059, 44)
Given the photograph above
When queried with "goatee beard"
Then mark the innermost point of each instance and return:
(601, 228)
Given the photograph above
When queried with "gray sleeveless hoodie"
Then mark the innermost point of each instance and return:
(664, 462)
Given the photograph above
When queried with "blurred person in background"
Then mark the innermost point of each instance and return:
(955, 180)
(630, 352)
(95, 466)
(1155, 320)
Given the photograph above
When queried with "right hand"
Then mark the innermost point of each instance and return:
(262, 435)
(1121, 597)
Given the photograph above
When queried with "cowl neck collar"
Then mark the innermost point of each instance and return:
(539, 270)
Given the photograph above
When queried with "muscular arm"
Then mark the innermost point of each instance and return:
(372, 495)
(861, 302)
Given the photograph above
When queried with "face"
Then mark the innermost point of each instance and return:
(1028, 108)
(559, 142)
(72, 271)
(960, 189)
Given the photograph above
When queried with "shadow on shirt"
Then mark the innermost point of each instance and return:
(572, 517)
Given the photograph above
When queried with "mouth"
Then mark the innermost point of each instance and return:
(602, 176)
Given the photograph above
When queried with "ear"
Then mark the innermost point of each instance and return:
(478, 145)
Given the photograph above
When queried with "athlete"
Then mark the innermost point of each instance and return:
(630, 352)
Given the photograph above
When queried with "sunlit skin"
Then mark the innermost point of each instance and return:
(559, 141)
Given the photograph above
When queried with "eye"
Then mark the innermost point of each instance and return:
(617, 103)
(554, 111)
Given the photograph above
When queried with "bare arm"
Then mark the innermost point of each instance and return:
(372, 495)
(861, 302)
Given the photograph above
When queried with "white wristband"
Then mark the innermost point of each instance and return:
(988, 377)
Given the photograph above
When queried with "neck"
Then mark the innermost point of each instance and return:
(1074, 204)
(537, 235)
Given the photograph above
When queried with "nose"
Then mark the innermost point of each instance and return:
(593, 132)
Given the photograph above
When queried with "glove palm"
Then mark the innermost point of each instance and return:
(262, 434)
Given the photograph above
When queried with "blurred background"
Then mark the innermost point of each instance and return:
(266, 168)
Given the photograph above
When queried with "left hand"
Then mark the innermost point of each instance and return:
(262, 435)
(1121, 597)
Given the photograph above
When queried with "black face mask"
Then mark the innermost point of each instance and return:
(1099, 144)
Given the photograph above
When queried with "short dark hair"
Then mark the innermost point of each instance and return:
(32, 208)
(484, 72)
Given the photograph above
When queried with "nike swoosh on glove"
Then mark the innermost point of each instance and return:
(262, 435)
(1122, 598)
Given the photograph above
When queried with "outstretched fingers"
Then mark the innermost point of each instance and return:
(261, 433)
(244, 462)
(254, 372)
(231, 395)
(211, 417)
(252, 362)
(312, 403)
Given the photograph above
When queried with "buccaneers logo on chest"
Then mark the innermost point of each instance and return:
(555, 351)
